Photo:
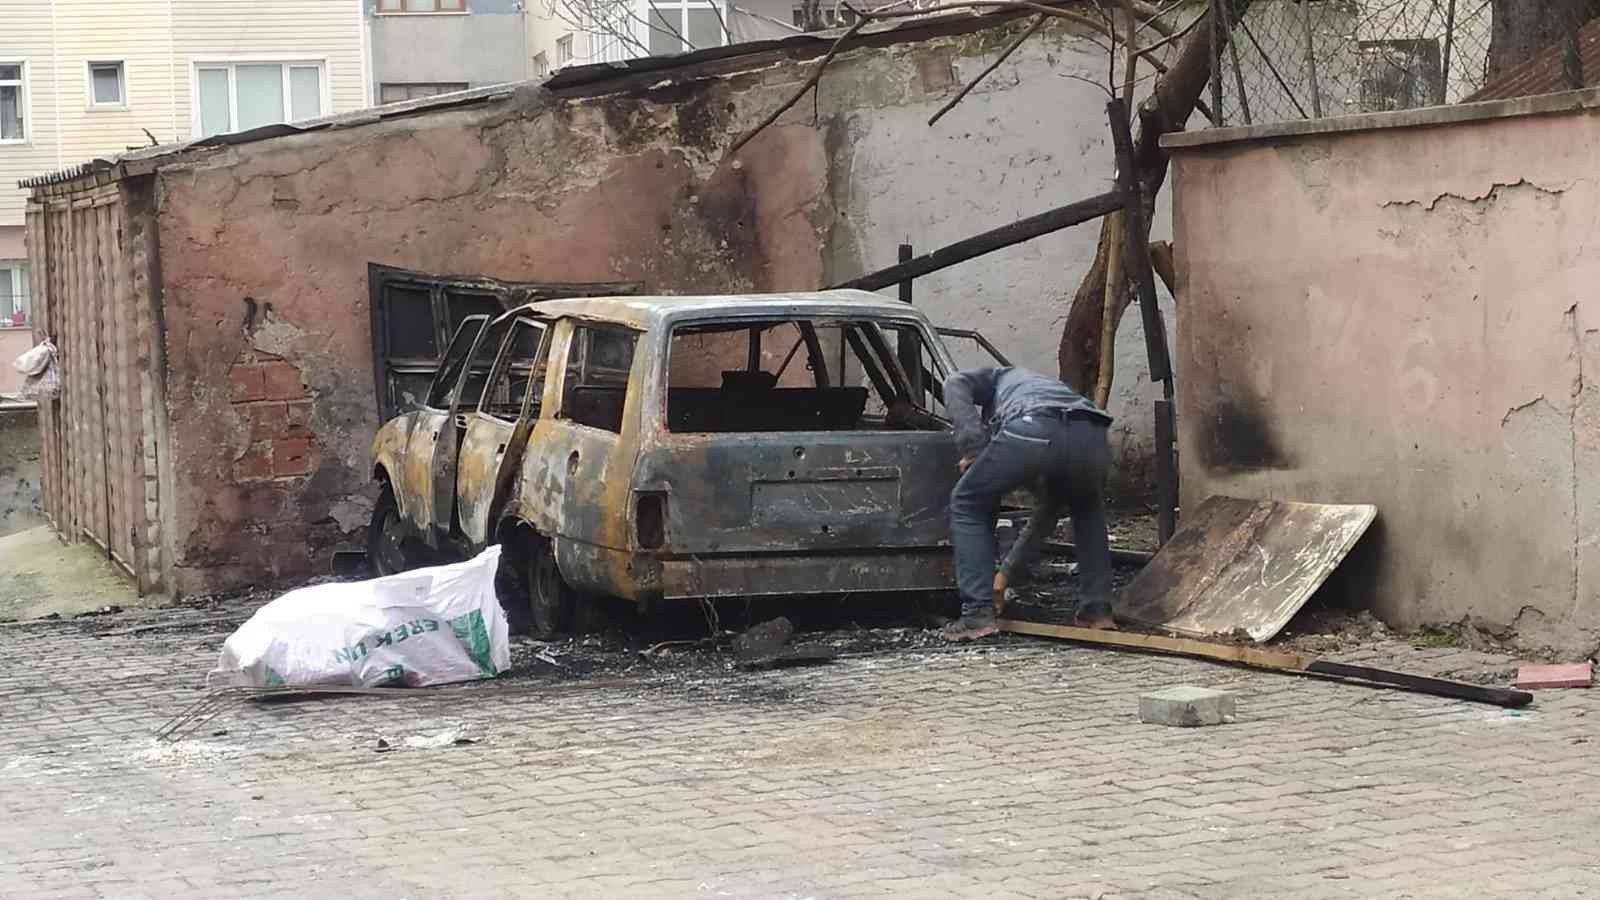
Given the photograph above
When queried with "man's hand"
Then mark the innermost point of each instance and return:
(1001, 582)
(965, 464)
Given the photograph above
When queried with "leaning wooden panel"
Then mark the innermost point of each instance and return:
(1242, 566)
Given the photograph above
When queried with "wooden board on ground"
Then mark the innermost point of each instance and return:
(1160, 643)
(1242, 566)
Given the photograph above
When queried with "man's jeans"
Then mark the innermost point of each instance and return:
(1064, 461)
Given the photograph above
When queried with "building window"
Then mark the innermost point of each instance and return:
(830, 16)
(241, 96)
(13, 103)
(563, 51)
(1400, 74)
(672, 23)
(541, 65)
(107, 85)
(394, 92)
(421, 6)
(13, 293)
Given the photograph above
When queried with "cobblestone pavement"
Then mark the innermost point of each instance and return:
(1017, 770)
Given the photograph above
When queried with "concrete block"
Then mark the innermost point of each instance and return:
(1572, 675)
(1186, 706)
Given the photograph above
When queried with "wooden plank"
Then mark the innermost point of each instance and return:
(1422, 684)
(990, 241)
(1273, 660)
(1158, 643)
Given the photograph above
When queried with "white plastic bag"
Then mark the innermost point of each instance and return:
(430, 626)
(36, 359)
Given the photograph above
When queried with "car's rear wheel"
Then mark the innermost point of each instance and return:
(386, 536)
(551, 600)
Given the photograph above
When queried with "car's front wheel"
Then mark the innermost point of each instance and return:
(386, 536)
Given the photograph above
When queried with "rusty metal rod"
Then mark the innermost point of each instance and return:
(989, 241)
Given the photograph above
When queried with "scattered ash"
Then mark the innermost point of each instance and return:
(1050, 594)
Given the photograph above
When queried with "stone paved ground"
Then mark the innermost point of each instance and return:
(1014, 771)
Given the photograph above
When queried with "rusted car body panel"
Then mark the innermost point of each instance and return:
(638, 510)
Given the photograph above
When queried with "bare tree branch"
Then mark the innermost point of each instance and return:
(1038, 21)
(809, 84)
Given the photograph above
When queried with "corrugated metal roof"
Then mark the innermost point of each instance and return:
(1545, 73)
(574, 80)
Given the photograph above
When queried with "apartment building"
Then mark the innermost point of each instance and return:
(576, 32)
(87, 78)
(426, 47)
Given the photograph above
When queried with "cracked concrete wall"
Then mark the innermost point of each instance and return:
(1404, 317)
(265, 246)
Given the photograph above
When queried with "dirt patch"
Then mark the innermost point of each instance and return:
(886, 739)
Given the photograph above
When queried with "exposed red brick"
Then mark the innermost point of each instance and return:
(292, 456)
(245, 383)
(255, 464)
(1567, 675)
(282, 381)
(268, 421)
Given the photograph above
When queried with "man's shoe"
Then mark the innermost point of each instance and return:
(1097, 618)
(971, 626)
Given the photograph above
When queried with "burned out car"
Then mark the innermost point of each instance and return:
(660, 448)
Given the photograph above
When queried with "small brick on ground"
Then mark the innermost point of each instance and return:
(1186, 706)
(1565, 675)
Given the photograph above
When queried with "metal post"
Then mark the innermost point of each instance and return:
(1137, 256)
(1311, 55)
(1449, 41)
(1166, 470)
(1216, 62)
(909, 348)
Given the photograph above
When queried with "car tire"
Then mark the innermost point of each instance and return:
(551, 600)
(386, 538)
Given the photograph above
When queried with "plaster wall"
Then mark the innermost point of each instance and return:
(1405, 317)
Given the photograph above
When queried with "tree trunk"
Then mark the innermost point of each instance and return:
(1168, 108)
(1519, 29)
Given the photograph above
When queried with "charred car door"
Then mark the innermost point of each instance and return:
(431, 440)
(498, 429)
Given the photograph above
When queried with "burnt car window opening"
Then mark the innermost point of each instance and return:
(519, 372)
(924, 373)
(483, 356)
(594, 390)
(775, 376)
(455, 357)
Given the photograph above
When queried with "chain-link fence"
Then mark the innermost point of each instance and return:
(1295, 59)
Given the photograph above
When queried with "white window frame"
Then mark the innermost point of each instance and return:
(11, 269)
(26, 102)
(378, 10)
(232, 62)
(122, 84)
(682, 7)
(541, 64)
(566, 50)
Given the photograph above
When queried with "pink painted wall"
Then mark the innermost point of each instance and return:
(13, 343)
(1407, 317)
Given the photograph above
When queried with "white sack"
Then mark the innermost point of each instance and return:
(429, 626)
(34, 360)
